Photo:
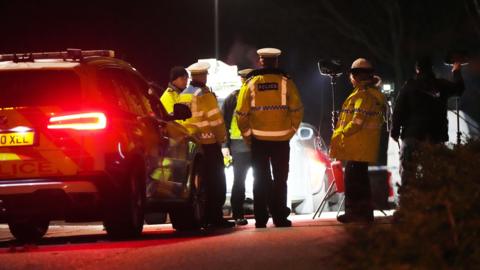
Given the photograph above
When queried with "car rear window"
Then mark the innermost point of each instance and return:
(39, 88)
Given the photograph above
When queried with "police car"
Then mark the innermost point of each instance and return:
(79, 141)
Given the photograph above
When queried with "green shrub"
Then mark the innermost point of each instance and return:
(438, 223)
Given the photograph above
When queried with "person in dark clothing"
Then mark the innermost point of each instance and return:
(420, 112)
(239, 151)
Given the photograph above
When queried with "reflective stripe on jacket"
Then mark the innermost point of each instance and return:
(357, 135)
(269, 106)
(206, 122)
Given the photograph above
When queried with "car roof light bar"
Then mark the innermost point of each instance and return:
(69, 54)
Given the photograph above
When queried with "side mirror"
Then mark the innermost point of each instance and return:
(305, 133)
(181, 112)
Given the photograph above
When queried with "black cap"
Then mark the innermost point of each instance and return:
(176, 72)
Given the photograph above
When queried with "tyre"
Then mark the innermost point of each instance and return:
(125, 218)
(191, 216)
(30, 230)
(156, 218)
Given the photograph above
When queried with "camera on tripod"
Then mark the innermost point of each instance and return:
(331, 67)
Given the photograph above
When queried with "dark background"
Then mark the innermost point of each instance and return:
(155, 35)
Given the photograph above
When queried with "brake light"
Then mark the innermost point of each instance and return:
(81, 121)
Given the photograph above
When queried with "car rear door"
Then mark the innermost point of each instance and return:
(30, 146)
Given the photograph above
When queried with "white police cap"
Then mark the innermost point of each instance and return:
(269, 52)
(244, 72)
(198, 68)
(361, 63)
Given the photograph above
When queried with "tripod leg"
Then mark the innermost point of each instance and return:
(324, 201)
(341, 204)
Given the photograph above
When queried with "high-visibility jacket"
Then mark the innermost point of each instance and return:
(206, 122)
(170, 97)
(357, 135)
(269, 106)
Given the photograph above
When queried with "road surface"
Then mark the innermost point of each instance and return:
(309, 244)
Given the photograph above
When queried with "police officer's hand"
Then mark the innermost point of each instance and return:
(226, 152)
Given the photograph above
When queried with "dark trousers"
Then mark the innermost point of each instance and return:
(409, 145)
(241, 163)
(215, 183)
(358, 195)
(267, 191)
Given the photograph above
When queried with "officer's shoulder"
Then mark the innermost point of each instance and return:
(189, 90)
(267, 71)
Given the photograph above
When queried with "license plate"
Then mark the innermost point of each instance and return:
(17, 139)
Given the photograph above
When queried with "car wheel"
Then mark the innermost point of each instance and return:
(191, 216)
(156, 218)
(30, 230)
(125, 219)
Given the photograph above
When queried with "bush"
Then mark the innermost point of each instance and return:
(437, 225)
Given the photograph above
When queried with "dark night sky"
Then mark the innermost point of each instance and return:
(155, 35)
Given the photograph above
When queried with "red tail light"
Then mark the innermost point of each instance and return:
(81, 121)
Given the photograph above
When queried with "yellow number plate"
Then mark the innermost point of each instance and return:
(17, 139)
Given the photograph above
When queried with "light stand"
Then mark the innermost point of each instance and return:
(457, 108)
(333, 83)
(333, 69)
(461, 57)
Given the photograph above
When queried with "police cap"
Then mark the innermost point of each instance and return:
(198, 68)
(269, 52)
(361, 65)
(244, 72)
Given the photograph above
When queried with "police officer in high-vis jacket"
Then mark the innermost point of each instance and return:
(356, 140)
(236, 148)
(178, 83)
(269, 111)
(208, 126)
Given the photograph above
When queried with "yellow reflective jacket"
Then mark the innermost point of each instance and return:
(268, 106)
(206, 122)
(170, 97)
(357, 135)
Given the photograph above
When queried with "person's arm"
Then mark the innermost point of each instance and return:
(228, 108)
(295, 106)
(362, 107)
(242, 111)
(215, 118)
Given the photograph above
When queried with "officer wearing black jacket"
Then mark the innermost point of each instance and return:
(420, 113)
(239, 151)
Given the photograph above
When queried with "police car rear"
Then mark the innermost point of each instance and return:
(61, 146)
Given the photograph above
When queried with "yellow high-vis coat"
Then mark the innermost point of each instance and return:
(169, 98)
(206, 122)
(357, 135)
(268, 107)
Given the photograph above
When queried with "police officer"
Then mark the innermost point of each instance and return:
(178, 82)
(208, 126)
(356, 140)
(268, 112)
(236, 148)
